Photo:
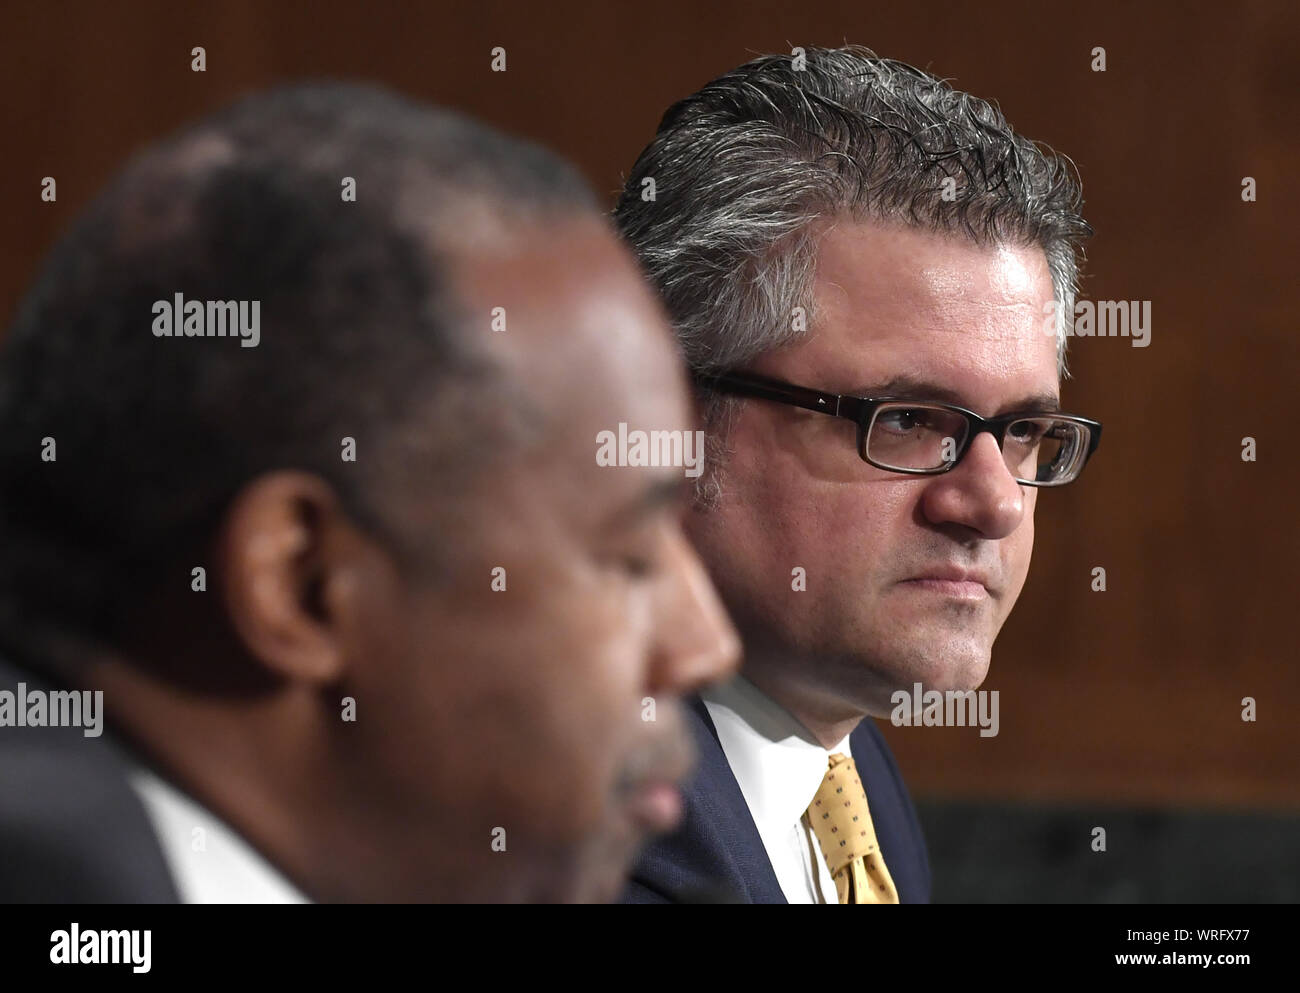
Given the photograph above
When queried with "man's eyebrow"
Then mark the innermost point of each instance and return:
(669, 492)
(912, 388)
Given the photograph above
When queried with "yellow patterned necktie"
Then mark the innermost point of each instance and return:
(842, 823)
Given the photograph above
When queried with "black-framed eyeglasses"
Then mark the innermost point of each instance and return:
(925, 439)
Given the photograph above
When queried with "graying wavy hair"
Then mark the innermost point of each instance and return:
(745, 168)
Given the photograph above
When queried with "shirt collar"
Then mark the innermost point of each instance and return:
(777, 762)
(209, 862)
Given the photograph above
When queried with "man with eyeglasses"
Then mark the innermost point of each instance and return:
(858, 261)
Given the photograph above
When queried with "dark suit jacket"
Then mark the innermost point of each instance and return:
(716, 855)
(72, 830)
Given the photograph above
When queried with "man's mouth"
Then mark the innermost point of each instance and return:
(651, 791)
(951, 581)
(656, 805)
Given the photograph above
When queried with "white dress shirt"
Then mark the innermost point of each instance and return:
(779, 766)
(224, 868)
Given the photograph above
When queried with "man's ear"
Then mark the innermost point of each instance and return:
(287, 574)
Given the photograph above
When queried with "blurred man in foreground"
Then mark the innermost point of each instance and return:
(296, 481)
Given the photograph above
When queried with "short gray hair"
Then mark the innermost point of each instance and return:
(744, 169)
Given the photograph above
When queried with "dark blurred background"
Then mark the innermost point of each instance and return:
(1119, 709)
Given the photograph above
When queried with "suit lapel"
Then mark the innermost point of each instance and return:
(717, 848)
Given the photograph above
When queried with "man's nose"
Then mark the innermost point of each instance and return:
(695, 642)
(980, 493)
